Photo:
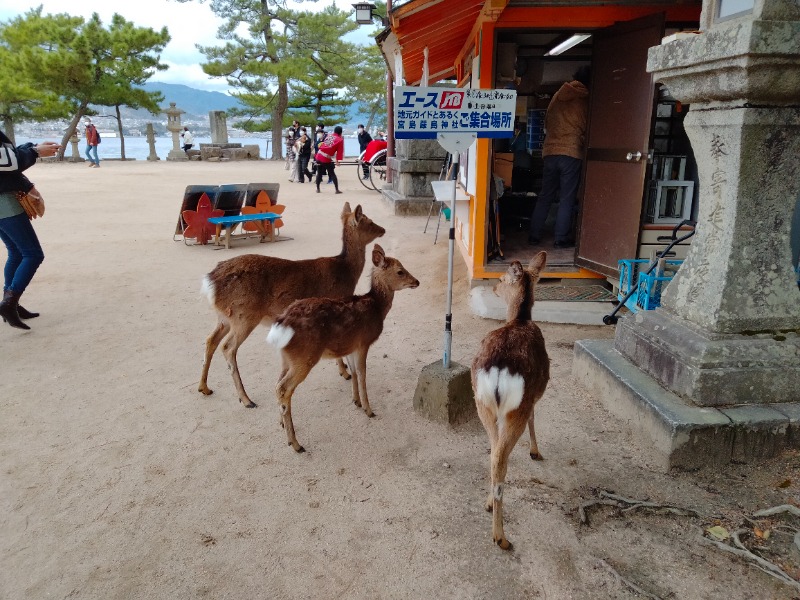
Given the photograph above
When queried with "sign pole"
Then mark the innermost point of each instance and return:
(455, 144)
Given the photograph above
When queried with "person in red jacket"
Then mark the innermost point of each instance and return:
(330, 152)
(92, 140)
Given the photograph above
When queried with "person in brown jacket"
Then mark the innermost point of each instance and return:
(562, 154)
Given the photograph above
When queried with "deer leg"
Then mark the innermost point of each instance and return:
(360, 357)
(351, 363)
(508, 436)
(535, 454)
(343, 368)
(238, 334)
(287, 384)
(220, 331)
(488, 417)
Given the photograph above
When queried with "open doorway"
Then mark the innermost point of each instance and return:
(638, 174)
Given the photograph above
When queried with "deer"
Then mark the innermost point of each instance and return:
(252, 289)
(317, 328)
(509, 375)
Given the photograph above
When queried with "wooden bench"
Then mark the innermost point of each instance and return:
(259, 219)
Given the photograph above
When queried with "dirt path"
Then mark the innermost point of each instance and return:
(119, 480)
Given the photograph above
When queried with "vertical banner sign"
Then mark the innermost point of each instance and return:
(424, 112)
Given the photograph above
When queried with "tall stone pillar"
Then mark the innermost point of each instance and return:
(219, 126)
(151, 142)
(728, 331)
(175, 127)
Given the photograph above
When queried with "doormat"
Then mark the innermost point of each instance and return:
(573, 293)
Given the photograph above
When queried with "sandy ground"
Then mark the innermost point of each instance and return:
(119, 480)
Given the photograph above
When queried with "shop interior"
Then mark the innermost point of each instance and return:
(536, 63)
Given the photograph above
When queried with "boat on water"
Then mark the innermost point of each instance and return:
(107, 134)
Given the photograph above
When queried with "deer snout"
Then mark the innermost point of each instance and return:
(381, 231)
(414, 284)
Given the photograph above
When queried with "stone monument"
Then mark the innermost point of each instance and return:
(151, 141)
(219, 127)
(76, 154)
(714, 374)
(418, 162)
(174, 126)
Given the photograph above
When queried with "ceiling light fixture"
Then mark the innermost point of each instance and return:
(570, 42)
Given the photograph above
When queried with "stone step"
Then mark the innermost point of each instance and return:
(686, 436)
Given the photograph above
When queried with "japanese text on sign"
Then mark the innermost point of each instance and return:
(424, 112)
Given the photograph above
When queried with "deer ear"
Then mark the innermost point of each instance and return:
(537, 264)
(346, 210)
(378, 256)
(359, 213)
(514, 271)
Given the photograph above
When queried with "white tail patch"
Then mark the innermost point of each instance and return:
(280, 335)
(500, 388)
(207, 289)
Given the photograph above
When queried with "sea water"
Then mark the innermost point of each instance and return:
(138, 148)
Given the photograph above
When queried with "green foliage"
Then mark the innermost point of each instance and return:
(65, 63)
(291, 64)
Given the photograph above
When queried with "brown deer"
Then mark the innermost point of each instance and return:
(317, 328)
(509, 375)
(252, 289)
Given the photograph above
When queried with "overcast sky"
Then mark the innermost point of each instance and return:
(188, 23)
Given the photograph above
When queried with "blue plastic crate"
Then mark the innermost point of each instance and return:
(648, 287)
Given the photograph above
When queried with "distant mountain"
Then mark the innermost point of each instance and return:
(193, 101)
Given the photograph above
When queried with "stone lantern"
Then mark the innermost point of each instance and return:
(714, 374)
(174, 125)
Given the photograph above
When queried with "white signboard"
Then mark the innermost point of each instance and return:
(423, 112)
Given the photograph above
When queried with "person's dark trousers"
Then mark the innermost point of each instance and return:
(24, 252)
(303, 168)
(365, 168)
(330, 170)
(560, 179)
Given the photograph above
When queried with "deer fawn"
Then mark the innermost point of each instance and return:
(252, 289)
(317, 328)
(509, 375)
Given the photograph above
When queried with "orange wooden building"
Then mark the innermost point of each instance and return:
(639, 176)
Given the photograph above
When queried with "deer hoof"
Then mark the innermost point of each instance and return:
(489, 507)
(536, 456)
(371, 414)
(504, 544)
(346, 375)
(299, 449)
(205, 390)
(250, 404)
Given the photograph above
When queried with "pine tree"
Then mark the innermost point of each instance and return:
(81, 62)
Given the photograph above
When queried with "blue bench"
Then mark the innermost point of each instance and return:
(230, 224)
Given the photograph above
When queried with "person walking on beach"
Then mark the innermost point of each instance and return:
(330, 152)
(188, 140)
(92, 141)
(24, 251)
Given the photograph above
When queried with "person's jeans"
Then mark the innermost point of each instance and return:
(303, 167)
(560, 179)
(92, 150)
(24, 252)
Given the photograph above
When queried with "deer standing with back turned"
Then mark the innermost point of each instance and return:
(317, 328)
(252, 289)
(509, 375)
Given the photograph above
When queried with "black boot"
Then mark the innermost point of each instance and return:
(8, 310)
(25, 313)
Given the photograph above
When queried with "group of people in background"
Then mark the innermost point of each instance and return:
(326, 148)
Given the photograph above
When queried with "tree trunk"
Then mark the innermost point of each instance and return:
(8, 128)
(71, 128)
(277, 118)
(121, 136)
